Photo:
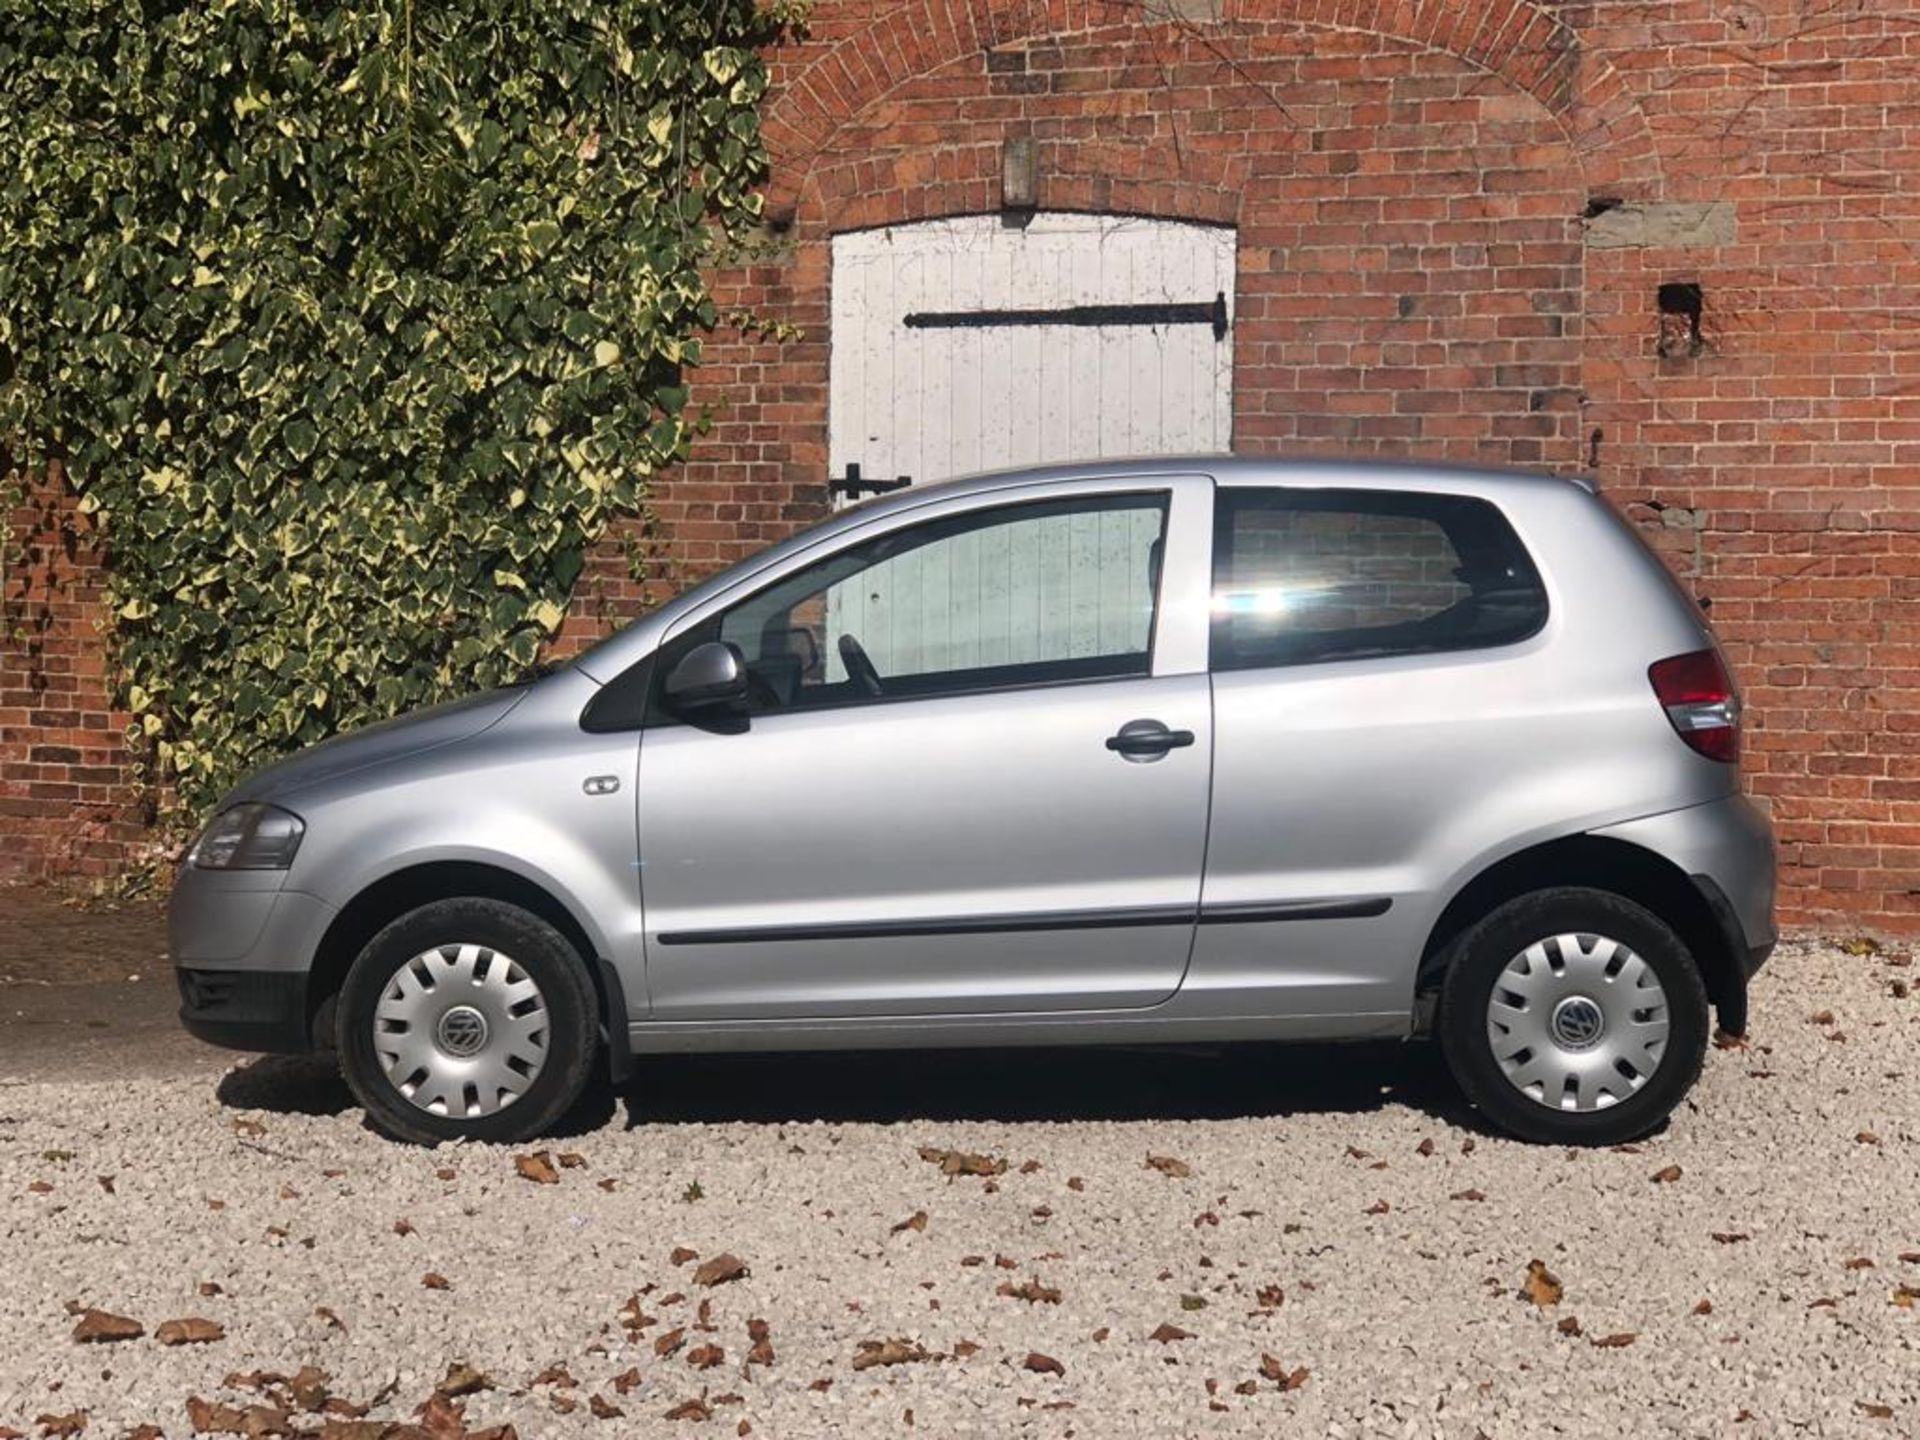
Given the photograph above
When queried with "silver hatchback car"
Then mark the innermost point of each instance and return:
(1172, 750)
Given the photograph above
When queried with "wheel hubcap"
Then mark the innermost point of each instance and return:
(1577, 1022)
(461, 1031)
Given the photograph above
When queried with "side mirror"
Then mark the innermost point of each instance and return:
(708, 676)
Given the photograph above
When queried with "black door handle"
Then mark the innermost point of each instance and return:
(1148, 738)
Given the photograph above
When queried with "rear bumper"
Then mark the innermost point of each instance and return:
(1725, 848)
(258, 1010)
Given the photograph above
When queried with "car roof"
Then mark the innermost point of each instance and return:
(1226, 469)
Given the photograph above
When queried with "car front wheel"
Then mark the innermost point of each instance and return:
(467, 1019)
(1573, 1016)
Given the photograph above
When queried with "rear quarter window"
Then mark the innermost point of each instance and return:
(1308, 576)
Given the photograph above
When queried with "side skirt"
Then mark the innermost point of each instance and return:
(666, 1037)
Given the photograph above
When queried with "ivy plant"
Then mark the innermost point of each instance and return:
(354, 323)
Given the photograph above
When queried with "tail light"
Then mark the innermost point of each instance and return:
(1698, 695)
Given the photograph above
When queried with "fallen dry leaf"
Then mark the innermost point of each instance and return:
(603, 1409)
(1030, 1290)
(960, 1162)
(672, 1340)
(1569, 1325)
(705, 1357)
(208, 1418)
(442, 1418)
(1167, 1165)
(1043, 1364)
(537, 1167)
(1874, 1409)
(403, 1226)
(97, 1327)
(916, 1222)
(1271, 1297)
(1166, 1334)
(1467, 1195)
(761, 1334)
(190, 1331)
(1425, 1147)
(1378, 1207)
(570, 1161)
(965, 1349)
(56, 1426)
(1541, 1286)
(1730, 1237)
(721, 1269)
(434, 1280)
(888, 1352)
(1614, 1342)
(1867, 1137)
(463, 1379)
(691, 1410)
(1666, 1175)
(1272, 1368)
(1704, 1307)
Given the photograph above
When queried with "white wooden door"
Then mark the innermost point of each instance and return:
(970, 344)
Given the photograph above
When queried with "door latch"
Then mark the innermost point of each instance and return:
(600, 784)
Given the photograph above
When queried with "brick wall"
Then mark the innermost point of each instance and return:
(1455, 220)
(66, 801)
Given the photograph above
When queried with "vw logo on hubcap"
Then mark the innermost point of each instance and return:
(462, 1031)
(1578, 1023)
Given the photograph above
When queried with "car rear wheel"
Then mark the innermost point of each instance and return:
(467, 1019)
(1573, 1016)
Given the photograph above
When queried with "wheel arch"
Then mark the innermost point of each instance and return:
(1603, 863)
(395, 894)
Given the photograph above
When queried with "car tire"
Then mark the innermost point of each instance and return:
(1542, 1042)
(467, 1019)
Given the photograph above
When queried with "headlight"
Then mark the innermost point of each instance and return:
(248, 837)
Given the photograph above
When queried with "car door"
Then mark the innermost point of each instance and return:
(1373, 683)
(992, 798)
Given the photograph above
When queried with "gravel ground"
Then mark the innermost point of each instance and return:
(1328, 1247)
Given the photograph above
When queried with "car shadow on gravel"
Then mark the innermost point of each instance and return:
(882, 1087)
(1091, 1083)
(313, 1085)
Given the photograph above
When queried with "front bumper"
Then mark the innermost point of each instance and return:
(258, 1010)
(242, 946)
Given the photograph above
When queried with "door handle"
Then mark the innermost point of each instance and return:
(1147, 740)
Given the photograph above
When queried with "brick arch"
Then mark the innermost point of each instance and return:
(1518, 40)
(859, 191)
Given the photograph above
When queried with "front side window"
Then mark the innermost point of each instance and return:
(1302, 576)
(1037, 594)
